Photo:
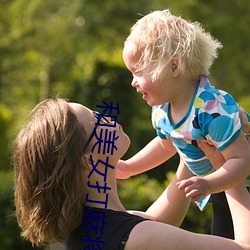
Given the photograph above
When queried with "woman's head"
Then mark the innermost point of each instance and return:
(91, 121)
(161, 36)
(50, 169)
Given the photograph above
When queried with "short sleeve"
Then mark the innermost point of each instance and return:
(159, 121)
(219, 120)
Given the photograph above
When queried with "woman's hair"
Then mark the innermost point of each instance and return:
(160, 36)
(49, 193)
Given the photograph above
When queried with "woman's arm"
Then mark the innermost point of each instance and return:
(233, 172)
(235, 167)
(239, 203)
(245, 120)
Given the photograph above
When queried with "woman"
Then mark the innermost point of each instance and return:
(64, 189)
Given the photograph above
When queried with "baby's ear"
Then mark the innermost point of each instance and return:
(175, 66)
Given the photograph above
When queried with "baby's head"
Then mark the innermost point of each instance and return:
(161, 37)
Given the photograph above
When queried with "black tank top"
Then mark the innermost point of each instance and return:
(102, 229)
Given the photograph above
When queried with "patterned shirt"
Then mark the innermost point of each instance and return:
(213, 115)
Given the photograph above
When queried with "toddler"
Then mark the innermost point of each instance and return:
(170, 59)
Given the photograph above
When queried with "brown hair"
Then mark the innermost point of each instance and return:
(48, 165)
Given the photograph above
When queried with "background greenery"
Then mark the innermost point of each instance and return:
(72, 48)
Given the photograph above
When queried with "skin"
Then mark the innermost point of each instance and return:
(217, 161)
(178, 91)
(84, 114)
(245, 122)
(169, 88)
(152, 234)
(234, 170)
(152, 93)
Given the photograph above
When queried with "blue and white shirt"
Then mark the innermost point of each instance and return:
(213, 115)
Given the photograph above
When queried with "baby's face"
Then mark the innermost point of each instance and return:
(131, 56)
(154, 93)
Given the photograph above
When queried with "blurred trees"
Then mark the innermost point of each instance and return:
(73, 49)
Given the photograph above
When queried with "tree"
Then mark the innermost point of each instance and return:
(72, 48)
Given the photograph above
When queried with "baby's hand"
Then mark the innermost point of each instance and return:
(195, 187)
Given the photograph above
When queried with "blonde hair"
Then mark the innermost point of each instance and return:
(160, 36)
(47, 153)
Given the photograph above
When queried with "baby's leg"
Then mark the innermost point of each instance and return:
(171, 207)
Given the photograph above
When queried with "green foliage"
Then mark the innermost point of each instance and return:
(5, 123)
(68, 47)
(230, 71)
(245, 103)
(9, 231)
(139, 192)
(73, 48)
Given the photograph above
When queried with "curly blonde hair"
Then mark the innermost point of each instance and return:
(160, 36)
(47, 158)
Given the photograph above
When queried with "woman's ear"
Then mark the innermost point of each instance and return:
(175, 66)
(87, 161)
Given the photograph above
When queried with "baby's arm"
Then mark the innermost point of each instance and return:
(234, 171)
(152, 155)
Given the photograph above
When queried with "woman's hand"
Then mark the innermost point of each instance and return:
(245, 124)
(196, 187)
